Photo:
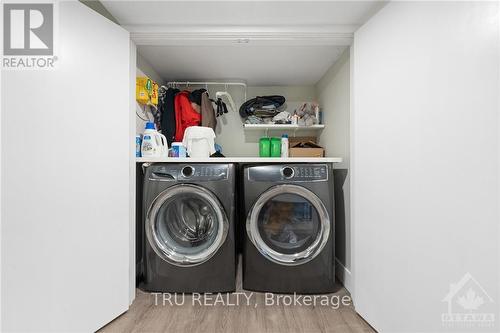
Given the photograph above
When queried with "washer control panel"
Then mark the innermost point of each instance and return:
(207, 172)
(187, 172)
(289, 173)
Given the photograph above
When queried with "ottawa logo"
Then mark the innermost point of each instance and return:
(468, 303)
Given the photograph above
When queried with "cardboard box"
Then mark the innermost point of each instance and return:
(292, 140)
(305, 149)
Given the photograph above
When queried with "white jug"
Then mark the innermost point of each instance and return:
(154, 144)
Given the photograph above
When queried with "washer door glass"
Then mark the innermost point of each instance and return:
(289, 224)
(186, 225)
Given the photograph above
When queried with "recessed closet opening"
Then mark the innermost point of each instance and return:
(303, 55)
(308, 72)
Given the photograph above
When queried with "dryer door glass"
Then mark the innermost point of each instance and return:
(186, 225)
(289, 224)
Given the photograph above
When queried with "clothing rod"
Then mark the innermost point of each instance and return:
(209, 83)
(201, 83)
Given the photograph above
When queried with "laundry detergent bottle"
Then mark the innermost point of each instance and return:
(154, 144)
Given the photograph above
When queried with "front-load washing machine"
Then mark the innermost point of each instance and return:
(189, 242)
(288, 243)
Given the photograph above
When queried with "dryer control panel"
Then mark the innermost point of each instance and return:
(289, 173)
(195, 172)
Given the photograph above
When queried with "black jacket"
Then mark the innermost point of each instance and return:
(167, 110)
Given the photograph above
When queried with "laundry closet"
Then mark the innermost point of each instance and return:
(311, 71)
(309, 80)
(407, 96)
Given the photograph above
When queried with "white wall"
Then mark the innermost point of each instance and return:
(65, 182)
(145, 68)
(132, 118)
(333, 92)
(1, 186)
(424, 160)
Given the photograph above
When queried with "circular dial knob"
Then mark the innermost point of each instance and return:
(187, 171)
(287, 172)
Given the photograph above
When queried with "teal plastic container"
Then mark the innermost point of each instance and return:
(275, 147)
(265, 147)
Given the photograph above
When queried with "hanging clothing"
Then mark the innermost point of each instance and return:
(207, 112)
(195, 96)
(156, 116)
(185, 115)
(166, 107)
(202, 102)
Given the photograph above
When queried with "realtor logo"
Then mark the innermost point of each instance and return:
(28, 29)
(467, 304)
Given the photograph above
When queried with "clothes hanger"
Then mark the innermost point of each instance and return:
(221, 94)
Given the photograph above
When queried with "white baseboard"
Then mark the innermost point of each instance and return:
(343, 274)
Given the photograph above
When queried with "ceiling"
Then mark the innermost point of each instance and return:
(257, 65)
(241, 12)
(260, 42)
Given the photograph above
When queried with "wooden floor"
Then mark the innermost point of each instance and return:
(146, 316)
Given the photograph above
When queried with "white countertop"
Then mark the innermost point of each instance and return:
(239, 160)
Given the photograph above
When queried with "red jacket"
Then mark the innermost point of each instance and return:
(185, 115)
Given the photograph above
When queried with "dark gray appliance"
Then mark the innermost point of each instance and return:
(189, 237)
(289, 228)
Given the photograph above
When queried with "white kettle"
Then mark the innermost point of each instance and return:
(154, 144)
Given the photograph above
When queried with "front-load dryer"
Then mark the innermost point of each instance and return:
(189, 237)
(288, 242)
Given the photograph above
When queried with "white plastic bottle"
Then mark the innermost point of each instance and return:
(284, 145)
(154, 144)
